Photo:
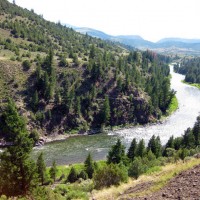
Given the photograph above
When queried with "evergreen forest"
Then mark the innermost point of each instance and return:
(63, 81)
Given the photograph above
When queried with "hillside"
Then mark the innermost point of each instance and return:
(63, 81)
(173, 181)
(183, 186)
(190, 67)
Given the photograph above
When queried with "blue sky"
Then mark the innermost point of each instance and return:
(151, 19)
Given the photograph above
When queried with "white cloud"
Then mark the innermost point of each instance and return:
(152, 19)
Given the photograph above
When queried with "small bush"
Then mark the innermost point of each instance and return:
(136, 168)
(75, 194)
(83, 175)
(112, 174)
(26, 65)
(12, 58)
(34, 135)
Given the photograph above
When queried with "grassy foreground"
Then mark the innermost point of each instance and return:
(158, 180)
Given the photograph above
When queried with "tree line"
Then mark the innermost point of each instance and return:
(20, 175)
(190, 67)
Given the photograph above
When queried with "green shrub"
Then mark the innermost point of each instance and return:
(34, 135)
(75, 194)
(26, 65)
(83, 175)
(136, 168)
(112, 174)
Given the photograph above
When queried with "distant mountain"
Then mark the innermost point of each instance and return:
(93, 33)
(132, 40)
(135, 41)
(166, 45)
(191, 41)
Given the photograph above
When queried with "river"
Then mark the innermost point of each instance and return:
(75, 149)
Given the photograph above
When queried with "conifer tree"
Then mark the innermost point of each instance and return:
(12, 123)
(169, 144)
(53, 171)
(155, 146)
(78, 106)
(106, 110)
(188, 139)
(117, 153)
(41, 168)
(17, 169)
(35, 101)
(141, 149)
(132, 150)
(89, 166)
(92, 52)
(73, 176)
(196, 131)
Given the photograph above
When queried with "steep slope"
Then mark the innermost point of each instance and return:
(183, 186)
(63, 81)
(190, 67)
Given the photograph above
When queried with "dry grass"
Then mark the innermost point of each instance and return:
(158, 179)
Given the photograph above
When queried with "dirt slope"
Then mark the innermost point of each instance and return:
(184, 186)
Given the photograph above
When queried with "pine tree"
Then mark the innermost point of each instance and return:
(196, 131)
(35, 101)
(41, 168)
(92, 52)
(141, 150)
(17, 169)
(132, 150)
(73, 176)
(12, 123)
(188, 139)
(169, 144)
(83, 175)
(155, 146)
(58, 98)
(106, 110)
(158, 147)
(89, 166)
(53, 171)
(117, 153)
(78, 106)
(152, 144)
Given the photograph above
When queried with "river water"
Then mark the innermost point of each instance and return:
(74, 150)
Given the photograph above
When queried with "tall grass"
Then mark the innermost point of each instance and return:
(159, 176)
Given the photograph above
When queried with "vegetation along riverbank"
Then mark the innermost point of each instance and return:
(82, 181)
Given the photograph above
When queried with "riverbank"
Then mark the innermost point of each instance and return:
(197, 85)
(59, 137)
(173, 106)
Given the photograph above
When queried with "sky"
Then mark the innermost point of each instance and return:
(151, 19)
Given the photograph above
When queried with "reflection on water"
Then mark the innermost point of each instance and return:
(76, 149)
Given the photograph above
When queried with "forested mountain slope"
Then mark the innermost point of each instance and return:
(190, 67)
(63, 81)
